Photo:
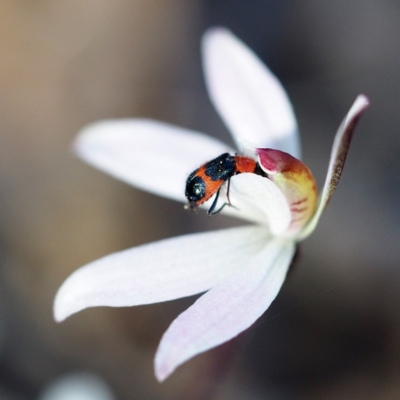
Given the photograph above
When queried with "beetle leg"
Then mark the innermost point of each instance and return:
(214, 204)
(227, 192)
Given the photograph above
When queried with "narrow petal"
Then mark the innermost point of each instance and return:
(227, 309)
(249, 98)
(257, 199)
(150, 155)
(160, 271)
(340, 148)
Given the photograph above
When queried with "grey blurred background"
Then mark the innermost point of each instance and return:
(333, 332)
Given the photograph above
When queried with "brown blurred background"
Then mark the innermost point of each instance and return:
(333, 333)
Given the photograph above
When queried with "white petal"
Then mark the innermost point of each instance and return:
(150, 155)
(77, 386)
(257, 199)
(249, 98)
(159, 271)
(227, 309)
(340, 148)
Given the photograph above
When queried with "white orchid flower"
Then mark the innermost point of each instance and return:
(240, 269)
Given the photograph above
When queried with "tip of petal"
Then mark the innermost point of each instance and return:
(161, 374)
(90, 135)
(162, 370)
(213, 39)
(68, 299)
(359, 105)
(214, 32)
(362, 99)
(60, 309)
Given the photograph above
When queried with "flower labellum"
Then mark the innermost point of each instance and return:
(296, 182)
(243, 268)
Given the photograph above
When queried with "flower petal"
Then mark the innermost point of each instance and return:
(159, 271)
(340, 148)
(257, 199)
(227, 309)
(150, 155)
(296, 182)
(247, 95)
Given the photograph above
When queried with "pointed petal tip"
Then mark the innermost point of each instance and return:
(214, 32)
(68, 299)
(60, 308)
(162, 368)
(361, 103)
(362, 98)
(58, 317)
(212, 37)
(79, 140)
(161, 373)
(88, 136)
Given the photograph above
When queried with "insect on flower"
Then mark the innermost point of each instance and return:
(207, 180)
(244, 267)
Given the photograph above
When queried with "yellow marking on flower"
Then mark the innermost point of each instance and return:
(296, 182)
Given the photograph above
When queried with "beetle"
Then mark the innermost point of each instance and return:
(207, 180)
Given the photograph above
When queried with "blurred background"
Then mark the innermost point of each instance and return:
(333, 332)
